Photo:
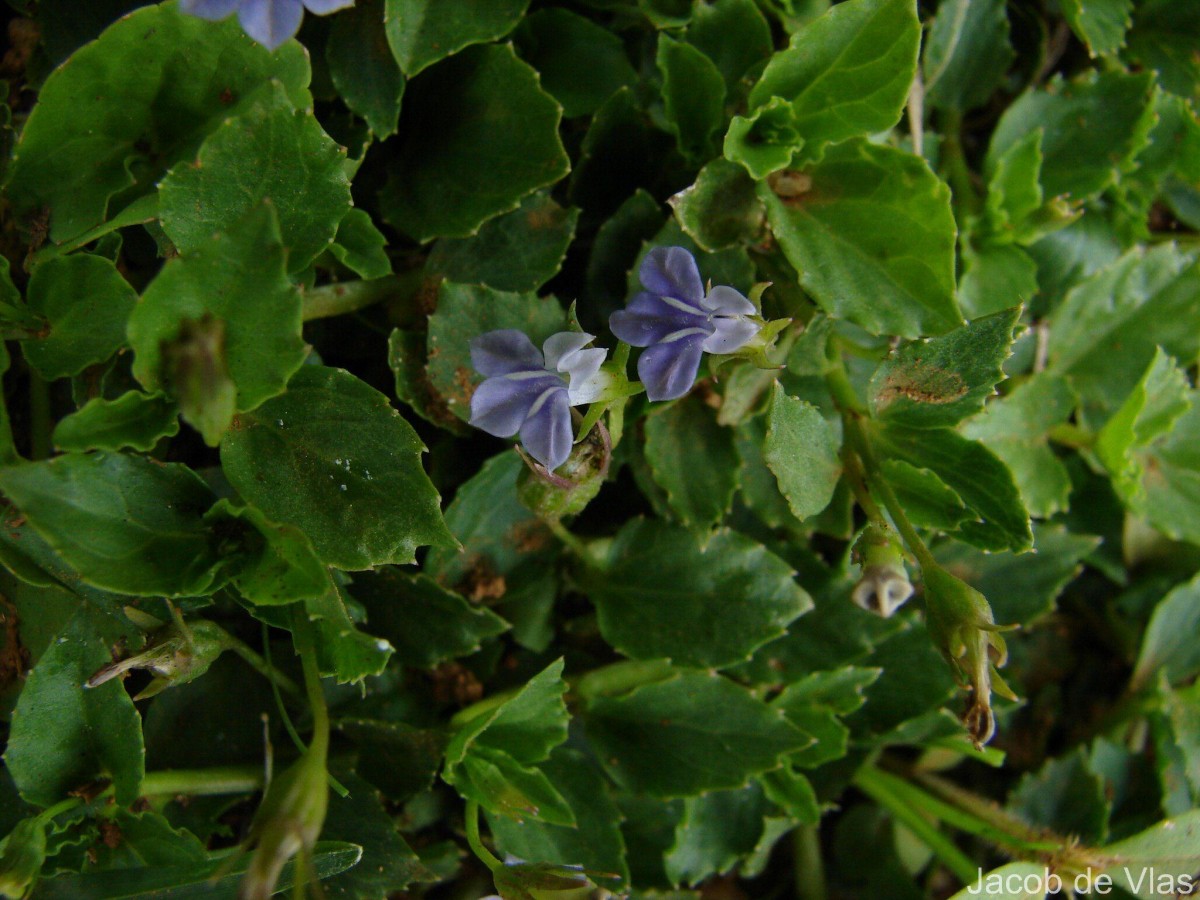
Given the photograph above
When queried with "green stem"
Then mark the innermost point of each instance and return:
(856, 436)
(283, 713)
(262, 666)
(203, 782)
(961, 819)
(954, 165)
(474, 841)
(350, 296)
(862, 468)
(1072, 436)
(139, 212)
(807, 864)
(572, 543)
(621, 677)
(306, 648)
(1015, 831)
(868, 781)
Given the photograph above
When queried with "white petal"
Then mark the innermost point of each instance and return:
(732, 333)
(726, 301)
(590, 389)
(563, 344)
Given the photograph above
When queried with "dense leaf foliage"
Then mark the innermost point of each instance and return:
(668, 448)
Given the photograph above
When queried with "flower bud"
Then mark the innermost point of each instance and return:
(960, 623)
(541, 881)
(288, 821)
(178, 654)
(570, 488)
(22, 854)
(884, 586)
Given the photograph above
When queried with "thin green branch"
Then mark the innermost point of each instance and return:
(475, 842)
(868, 780)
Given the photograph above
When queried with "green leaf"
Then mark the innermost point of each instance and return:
(967, 53)
(361, 65)
(1151, 409)
(765, 141)
(1015, 428)
(717, 830)
(1093, 127)
(424, 622)
(359, 246)
(268, 152)
(1169, 848)
(972, 471)
(620, 153)
(234, 292)
(503, 544)
(1175, 727)
(481, 135)
(133, 420)
(527, 726)
(801, 449)
(1101, 24)
(214, 879)
(847, 74)
(943, 380)
(580, 63)
(996, 277)
(693, 459)
(132, 106)
(913, 686)
(1106, 332)
(489, 759)
(399, 759)
(1169, 493)
(873, 239)
(148, 840)
(715, 733)
(125, 523)
(926, 499)
(1163, 37)
(64, 735)
(1066, 796)
(815, 704)
(734, 34)
(500, 785)
(518, 251)
(388, 863)
(85, 303)
(595, 843)
(721, 209)
(693, 96)
(343, 652)
(1022, 587)
(660, 594)
(467, 311)
(1015, 191)
(1168, 645)
(332, 458)
(835, 634)
(277, 564)
(421, 32)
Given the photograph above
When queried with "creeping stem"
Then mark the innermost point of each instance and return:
(862, 468)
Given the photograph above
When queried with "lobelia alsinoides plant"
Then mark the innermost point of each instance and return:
(648, 449)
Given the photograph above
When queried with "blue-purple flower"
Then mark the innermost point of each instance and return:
(531, 391)
(677, 321)
(270, 22)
